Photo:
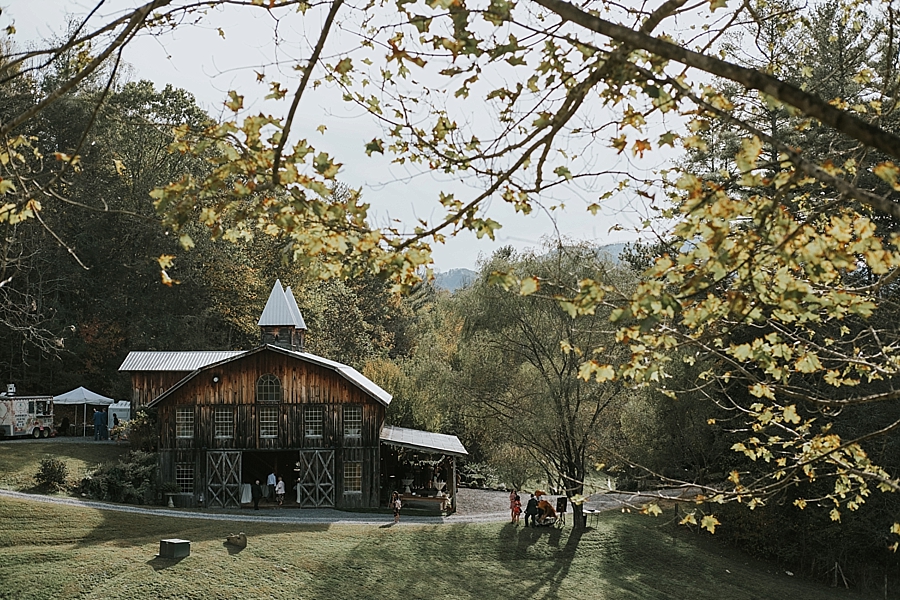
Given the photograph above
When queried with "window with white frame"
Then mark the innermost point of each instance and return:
(352, 477)
(224, 422)
(184, 477)
(313, 418)
(268, 389)
(184, 422)
(268, 422)
(353, 421)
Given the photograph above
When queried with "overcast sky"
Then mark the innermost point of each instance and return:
(199, 60)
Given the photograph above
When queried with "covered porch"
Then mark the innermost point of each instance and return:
(421, 465)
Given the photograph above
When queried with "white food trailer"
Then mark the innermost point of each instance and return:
(25, 415)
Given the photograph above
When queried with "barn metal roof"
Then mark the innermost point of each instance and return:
(279, 309)
(347, 372)
(175, 361)
(299, 323)
(422, 440)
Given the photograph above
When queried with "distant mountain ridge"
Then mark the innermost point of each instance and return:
(455, 279)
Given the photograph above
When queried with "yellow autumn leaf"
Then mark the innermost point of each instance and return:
(889, 172)
(235, 101)
(652, 509)
(709, 523)
(790, 414)
(761, 390)
(165, 261)
(529, 285)
(809, 363)
(749, 153)
(604, 373)
(166, 280)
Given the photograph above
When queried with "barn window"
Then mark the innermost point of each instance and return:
(313, 417)
(268, 389)
(224, 422)
(352, 477)
(184, 422)
(353, 421)
(184, 477)
(268, 422)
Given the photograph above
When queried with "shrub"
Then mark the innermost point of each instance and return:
(142, 431)
(129, 480)
(479, 475)
(52, 475)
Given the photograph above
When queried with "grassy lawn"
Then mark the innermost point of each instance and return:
(52, 551)
(21, 459)
(55, 551)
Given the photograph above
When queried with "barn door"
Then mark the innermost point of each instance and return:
(223, 479)
(316, 478)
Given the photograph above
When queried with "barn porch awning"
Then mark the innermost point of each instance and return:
(422, 440)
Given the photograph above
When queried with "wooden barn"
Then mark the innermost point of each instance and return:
(227, 418)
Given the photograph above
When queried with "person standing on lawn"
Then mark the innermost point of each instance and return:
(279, 491)
(396, 503)
(256, 493)
(98, 425)
(531, 510)
(270, 486)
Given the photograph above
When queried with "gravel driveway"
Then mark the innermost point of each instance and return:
(473, 506)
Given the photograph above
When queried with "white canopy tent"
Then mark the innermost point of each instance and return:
(84, 396)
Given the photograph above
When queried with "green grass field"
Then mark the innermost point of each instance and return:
(52, 551)
(21, 459)
(58, 551)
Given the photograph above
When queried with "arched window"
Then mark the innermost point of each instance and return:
(268, 389)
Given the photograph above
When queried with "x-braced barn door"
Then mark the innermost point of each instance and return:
(316, 478)
(223, 479)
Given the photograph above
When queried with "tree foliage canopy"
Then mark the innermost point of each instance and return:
(782, 262)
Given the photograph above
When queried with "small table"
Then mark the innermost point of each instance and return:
(434, 502)
(589, 514)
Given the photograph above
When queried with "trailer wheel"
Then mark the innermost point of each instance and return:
(45, 432)
(36, 433)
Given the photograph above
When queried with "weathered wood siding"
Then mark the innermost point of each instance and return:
(303, 384)
(146, 386)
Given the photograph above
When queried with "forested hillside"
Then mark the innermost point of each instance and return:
(85, 289)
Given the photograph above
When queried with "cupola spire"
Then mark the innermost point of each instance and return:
(281, 323)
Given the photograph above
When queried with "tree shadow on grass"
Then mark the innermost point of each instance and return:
(148, 529)
(459, 561)
(159, 563)
(557, 568)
